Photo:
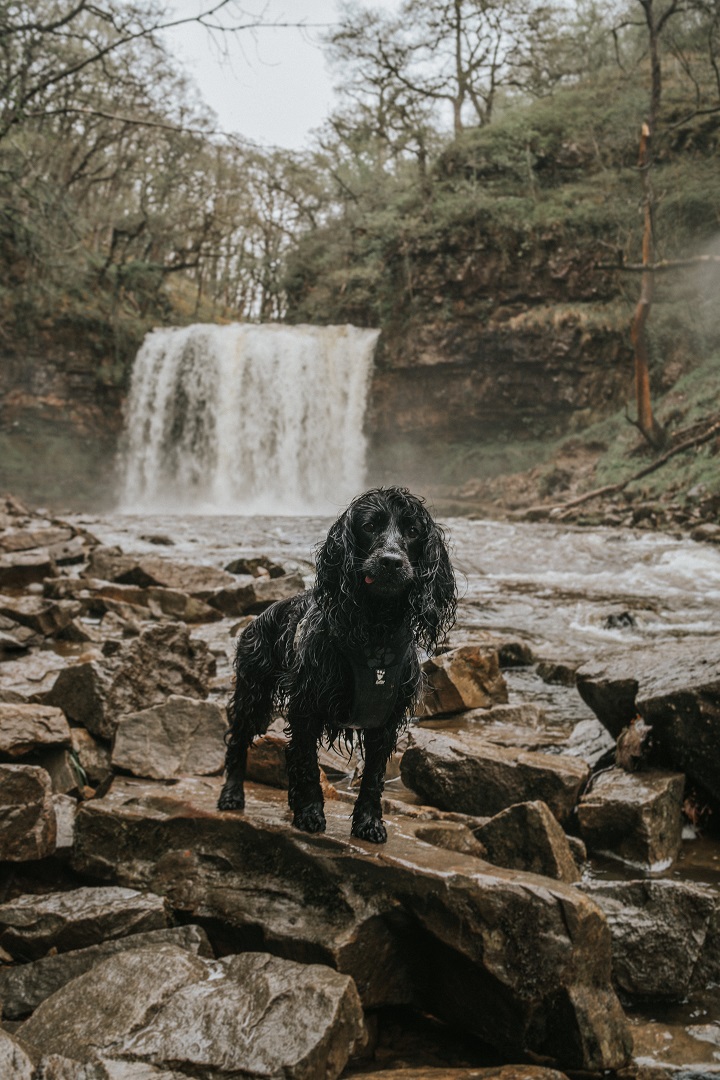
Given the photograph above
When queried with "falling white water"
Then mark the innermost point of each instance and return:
(247, 419)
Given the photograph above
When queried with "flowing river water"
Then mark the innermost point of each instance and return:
(569, 594)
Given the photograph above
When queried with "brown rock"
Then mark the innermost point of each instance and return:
(24, 986)
(517, 960)
(110, 564)
(38, 537)
(468, 677)
(27, 817)
(266, 761)
(31, 925)
(15, 1062)
(19, 569)
(161, 661)
(45, 617)
(661, 931)
(476, 777)
(258, 566)
(252, 595)
(527, 837)
(497, 1072)
(182, 737)
(25, 727)
(94, 756)
(253, 1015)
(675, 687)
(634, 817)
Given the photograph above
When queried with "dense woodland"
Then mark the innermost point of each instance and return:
(461, 123)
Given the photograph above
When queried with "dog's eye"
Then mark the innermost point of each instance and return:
(412, 532)
(368, 526)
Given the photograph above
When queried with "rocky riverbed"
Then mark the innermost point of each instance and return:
(547, 903)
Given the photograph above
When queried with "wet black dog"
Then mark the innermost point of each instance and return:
(340, 661)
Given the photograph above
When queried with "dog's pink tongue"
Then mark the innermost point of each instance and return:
(369, 580)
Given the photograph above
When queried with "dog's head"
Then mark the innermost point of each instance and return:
(386, 551)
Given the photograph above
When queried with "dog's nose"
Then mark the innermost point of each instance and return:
(391, 561)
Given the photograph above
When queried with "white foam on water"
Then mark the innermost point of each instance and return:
(247, 419)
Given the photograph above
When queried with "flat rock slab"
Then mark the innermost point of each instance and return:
(665, 936)
(476, 777)
(635, 817)
(24, 986)
(527, 836)
(182, 737)
(253, 1015)
(674, 687)
(31, 925)
(519, 960)
(110, 564)
(468, 677)
(46, 617)
(21, 568)
(28, 827)
(25, 727)
(251, 595)
(163, 660)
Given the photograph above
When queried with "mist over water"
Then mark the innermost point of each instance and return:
(247, 419)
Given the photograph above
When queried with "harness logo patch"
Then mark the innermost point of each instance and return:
(380, 677)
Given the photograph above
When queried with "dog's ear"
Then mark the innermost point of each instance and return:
(434, 597)
(334, 566)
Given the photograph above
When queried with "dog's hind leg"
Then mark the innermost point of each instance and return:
(367, 823)
(304, 791)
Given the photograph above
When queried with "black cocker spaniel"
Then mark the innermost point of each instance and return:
(340, 661)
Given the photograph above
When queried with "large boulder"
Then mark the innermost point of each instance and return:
(163, 660)
(252, 1015)
(475, 777)
(21, 568)
(32, 925)
(519, 960)
(251, 595)
(468, 677)
(675, 687)
(528, 837)
(181, 737)
(665, 936)
(28, 827)
(24, 986)
(634, 817)
(27, 727)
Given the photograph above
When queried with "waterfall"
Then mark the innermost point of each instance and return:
(247, 419)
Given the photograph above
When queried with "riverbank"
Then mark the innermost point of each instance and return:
(115, 650)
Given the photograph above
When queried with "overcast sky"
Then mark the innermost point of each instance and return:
(271, 85)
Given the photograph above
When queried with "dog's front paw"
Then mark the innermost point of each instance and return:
(369, 828)
(310, 818)
(232, 797)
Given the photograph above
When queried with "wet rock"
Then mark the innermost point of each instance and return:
(497, 1072)
(528, 837)
(11, 643)
(46, 617)
(111, 564)
(31, 925)
(31, 677)
(266, 761)
(182, 737)
(465, 678)
(476, 777)
(24, 986)
(709, 532)
(560, 672)
(675, 687)
(515, 959)
(26, 727)
(659, 931)
(28, 827)
(65, 807)
(258, 566)
(252, 595)
(171, 603)
(22, 568)
(452, 836)
(38, 537)
(635, 817)
(93, 756)
(65, 777)
(15, 1062)
(161, 661)
(252, 1015)
(676, 1051)
(590, 741)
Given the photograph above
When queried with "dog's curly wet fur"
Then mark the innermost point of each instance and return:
(384, 582)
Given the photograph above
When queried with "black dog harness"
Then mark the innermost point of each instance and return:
(377, 676)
